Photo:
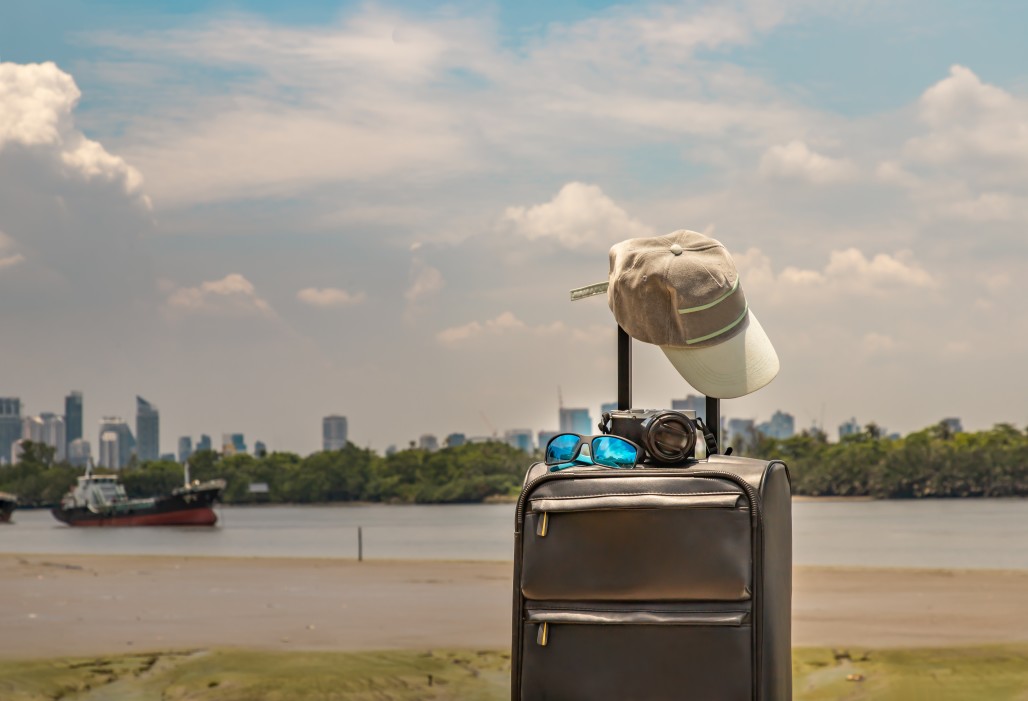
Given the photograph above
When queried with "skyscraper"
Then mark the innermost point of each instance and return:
(79, 453)
(520, 438)
(185, 448)
(54, 435)
(333, 433)
(233, 443)
(781, 426)
(148, 430)
(10, 426)
(110, 453)
(32, 429)
(691, 402)
(73, 417)
(428, 442)
(125, 445)
(204, 443)
(576, 421)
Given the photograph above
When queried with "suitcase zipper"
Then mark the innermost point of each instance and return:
(628, 616)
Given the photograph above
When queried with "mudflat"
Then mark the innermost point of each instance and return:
(85, 605)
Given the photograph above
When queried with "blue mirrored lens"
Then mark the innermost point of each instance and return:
(561, 448)
(613, 452)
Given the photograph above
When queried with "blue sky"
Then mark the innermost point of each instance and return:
(257, 213)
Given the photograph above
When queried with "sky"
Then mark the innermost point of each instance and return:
(255, 214)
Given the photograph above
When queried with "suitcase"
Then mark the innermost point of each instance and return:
(654, 583)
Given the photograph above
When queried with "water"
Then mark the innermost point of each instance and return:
(967, 533)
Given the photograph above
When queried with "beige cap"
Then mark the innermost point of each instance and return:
(681, 292)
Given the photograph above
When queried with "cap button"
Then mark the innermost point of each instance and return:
(676, 249)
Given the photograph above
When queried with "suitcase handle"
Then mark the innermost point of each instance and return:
(713, 408)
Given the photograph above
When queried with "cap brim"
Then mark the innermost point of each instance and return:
(743, 364)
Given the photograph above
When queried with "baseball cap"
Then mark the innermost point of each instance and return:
(682, 293)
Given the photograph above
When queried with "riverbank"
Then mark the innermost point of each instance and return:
(87, 605)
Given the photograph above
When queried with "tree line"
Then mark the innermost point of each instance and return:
(934, 462)
(470, 473)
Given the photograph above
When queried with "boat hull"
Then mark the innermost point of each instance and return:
(192, 507)
(201, 516)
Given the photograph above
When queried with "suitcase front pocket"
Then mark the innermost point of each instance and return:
(666, 547)
(595, 653)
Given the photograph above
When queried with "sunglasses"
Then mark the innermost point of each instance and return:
(609, 451)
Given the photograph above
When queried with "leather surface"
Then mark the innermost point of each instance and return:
(654, 559)
(637, 662)
(639, 554)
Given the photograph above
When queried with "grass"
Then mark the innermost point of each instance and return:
(989, 673)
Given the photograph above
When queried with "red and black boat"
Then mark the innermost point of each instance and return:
(98, 500)
(8, 503)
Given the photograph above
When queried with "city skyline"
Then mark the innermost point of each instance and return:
(334, 431)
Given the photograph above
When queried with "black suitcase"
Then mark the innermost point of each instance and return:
(654, 583)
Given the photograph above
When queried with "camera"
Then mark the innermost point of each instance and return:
(667, 436)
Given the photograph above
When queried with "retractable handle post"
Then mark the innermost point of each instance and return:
(713, 405)
(624, 370)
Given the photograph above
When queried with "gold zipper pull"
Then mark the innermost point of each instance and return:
(543, 525)
(543, 636)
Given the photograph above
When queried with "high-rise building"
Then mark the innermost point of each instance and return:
(32, 429)
(110, 450)
(204, 443)
(185, 448)
(72, 417)
(953, 424)
(16, 451)
(849, 428)
(126, 443)
(576, 421)
(520, 438)
(54, 435)
(455, 439)
(148, 430)
(740, 431)
(233, 444)
(428, 442)
(259, 449)
(692, 402)
(79, 452)
(333, 432)
(10, 426)
(780, 426)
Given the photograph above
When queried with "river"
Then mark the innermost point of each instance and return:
(959, 533)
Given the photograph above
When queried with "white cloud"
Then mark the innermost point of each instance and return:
(579, 216)
(233, 295)
(848, 272)
(505, 324)
(796, 160)
(425, 281)
(971, 122)
(36, 105)
(329, 297)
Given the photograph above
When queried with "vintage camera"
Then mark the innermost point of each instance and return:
(667, 436)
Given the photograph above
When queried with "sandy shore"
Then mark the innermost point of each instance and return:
(70, 605)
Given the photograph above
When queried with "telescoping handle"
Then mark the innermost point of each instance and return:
(713, 408)
(713, 418)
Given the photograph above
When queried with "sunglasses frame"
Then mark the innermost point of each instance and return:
(588, 440)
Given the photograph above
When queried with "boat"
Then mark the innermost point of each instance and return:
(99, 500)
(8, 503)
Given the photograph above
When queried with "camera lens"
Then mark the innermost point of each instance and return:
(669, 437)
